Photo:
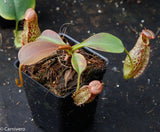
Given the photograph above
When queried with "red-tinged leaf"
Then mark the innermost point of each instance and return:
(49, 35)
(35, 51)
(31, 29)
(140, 56)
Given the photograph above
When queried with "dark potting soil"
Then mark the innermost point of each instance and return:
(59, 77)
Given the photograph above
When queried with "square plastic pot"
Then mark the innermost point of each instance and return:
(59, 113)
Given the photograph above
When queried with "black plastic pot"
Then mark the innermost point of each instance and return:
(57, 113)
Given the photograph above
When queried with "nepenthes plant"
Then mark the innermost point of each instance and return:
(49, 43)
(15, 10)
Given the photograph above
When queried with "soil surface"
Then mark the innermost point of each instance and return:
(129, 106)
(57, 74)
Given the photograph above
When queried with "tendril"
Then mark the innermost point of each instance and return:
(20, 77)
(129, 57)
(63, 29)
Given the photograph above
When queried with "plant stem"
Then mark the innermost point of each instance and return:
(16, 28)
(78, 82)
(77, 46)
(129, 57)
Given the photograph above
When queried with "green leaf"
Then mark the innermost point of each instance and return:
(15, 9)
(79, 64)
(102, 41)
(51, 36)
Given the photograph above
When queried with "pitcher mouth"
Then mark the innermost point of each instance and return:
(146, 35)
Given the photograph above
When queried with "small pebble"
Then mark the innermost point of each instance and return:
(141, 25)
(121, 2)
(116, 4)
(97, 5)
(71, 21)
(148, 81)
(4, 84)
(9, 59)
(20, 90)
(74, 11)
(126, 27)
(57, 8)
(117, 23)
(9, 47)
(88, 31)
(115, 69)
(142, 21)
(155, 103)
(139, 2)
(117, 85)
(104, 98)
(25, 122)
(99, 11)
(18, 103)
